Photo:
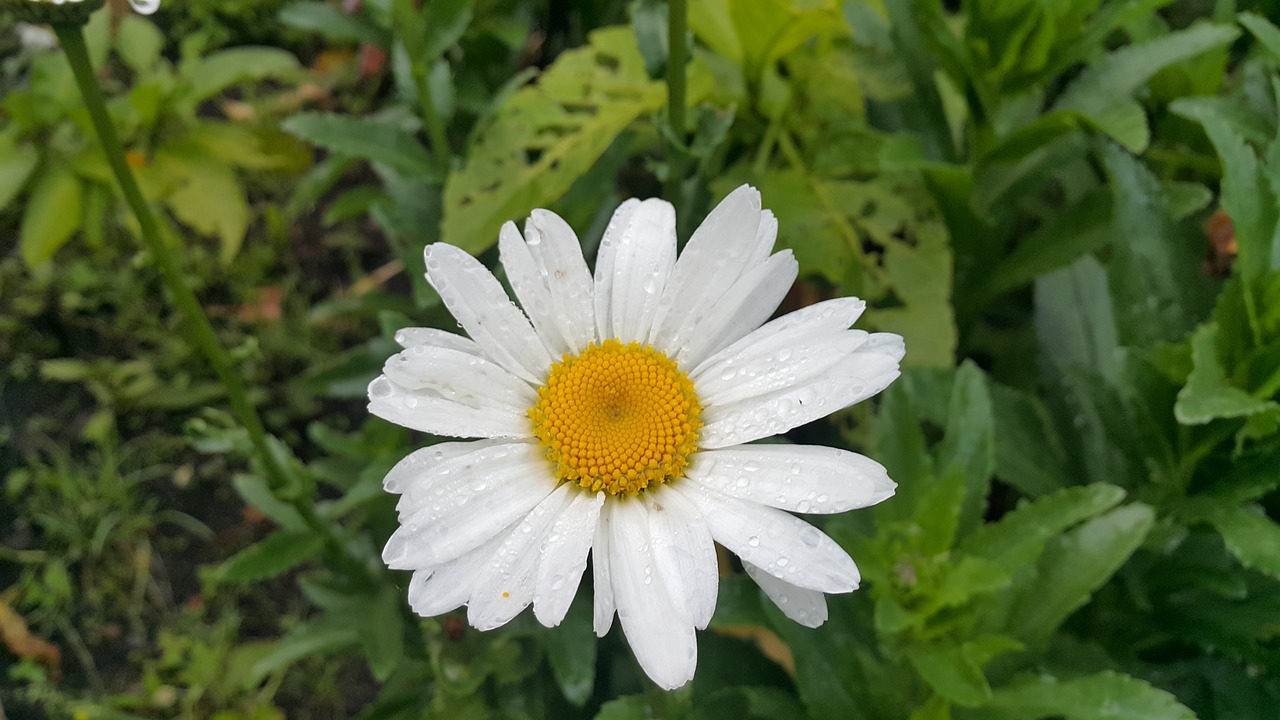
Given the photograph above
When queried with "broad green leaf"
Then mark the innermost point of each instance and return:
(1126, 123)
(210, 74)
(1074, 321)
(571, 650)
(1207, 395)
(326, 635)
(52, 215)
(365, 138)
(1029, 452)
(750, 703)
(627, 707)
(1104, 696)
(16, 165)
(1019, 537)
(212, 201)
(1247, 195)
(1112, 79)
(969, 444)
(444, 23)
(382, 632)
(1154, 277)
(279, 553)
(1251, 536)
(254, 491)
(951, 673)
(1073, 566)
(138, 42)
(330, 21)
(546, 135)
(900, 447)
(1262, 29)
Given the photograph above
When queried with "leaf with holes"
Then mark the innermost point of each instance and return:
(546, 135)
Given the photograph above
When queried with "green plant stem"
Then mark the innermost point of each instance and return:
(432, 119)
(677, 59)
(199, 331)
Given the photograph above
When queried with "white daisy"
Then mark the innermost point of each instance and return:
(613, 414)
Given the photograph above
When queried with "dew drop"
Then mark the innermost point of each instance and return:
(754, 541)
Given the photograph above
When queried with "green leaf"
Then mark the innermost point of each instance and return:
(1029, 452)
(1104, 696)
(751, 703)
(969, 444)
(1262, 29)
(1251, 536)
(330, 21)
(1075, 565)
(1112, 79)
(52, 215)
(1074, 321)
(627, 707)
(254, 491)
(571, 650)
(382, 632)
(1207, 395)
(212, 201)
(365, 138)
(326, 635)
(279, 553)
(138, 42)
(547, 135)
(16, 165)
(210, 74)
(1018, 538)
(1155, 279)
(445, 21)
(1247, 194)
(951, 673)
(900, 447)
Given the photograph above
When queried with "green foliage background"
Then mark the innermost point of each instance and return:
(1071, 210)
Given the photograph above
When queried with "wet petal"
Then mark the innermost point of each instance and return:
(447, 586)
(427, 411)
(747, 304)
(800, 478)
(635, 259)
(459, 377)
(781, 544)
(804, 606)
(685, 554)
(478, 302)
(601, 575)
(565, 558)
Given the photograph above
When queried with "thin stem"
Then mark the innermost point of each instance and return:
(677, 59)
(200, 332)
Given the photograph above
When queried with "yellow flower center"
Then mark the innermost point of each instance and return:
(617, 417)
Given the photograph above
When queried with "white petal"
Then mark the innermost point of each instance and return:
(815, 321)
(565, 558)
(749, 302)
(685, 554)
(805, 606)
(418, 472)
(530, 288)
(636, 255)
(482, 307)
(505, 584)
(757, 371)
(721, 249)
(498, 487)
(856, 377)
(429, 412)
(558, 255)
(438, 590)
(601, 577)
(460, 377)
(801, 478)
(432, 337)
(660, 636)
(781, 544)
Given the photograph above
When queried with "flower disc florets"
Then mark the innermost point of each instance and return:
(617, 417)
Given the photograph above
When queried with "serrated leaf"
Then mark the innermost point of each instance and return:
(52, 215)
(382, 632)
(546, 135)
(969, 444)
(1112, 79)
(1104, 696)
(212, 201)
(1020, 536)
(1029, 451)
(278, 553)
(1075, 565)
(368, 139)
(1251, 536)
(1074, 321)
(1207, 395)
(951, 673)
(211, 74)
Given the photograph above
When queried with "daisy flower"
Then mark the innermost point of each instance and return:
(613, 415)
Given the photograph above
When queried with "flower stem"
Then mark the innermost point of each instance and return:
(677, 59)
(200, 333)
